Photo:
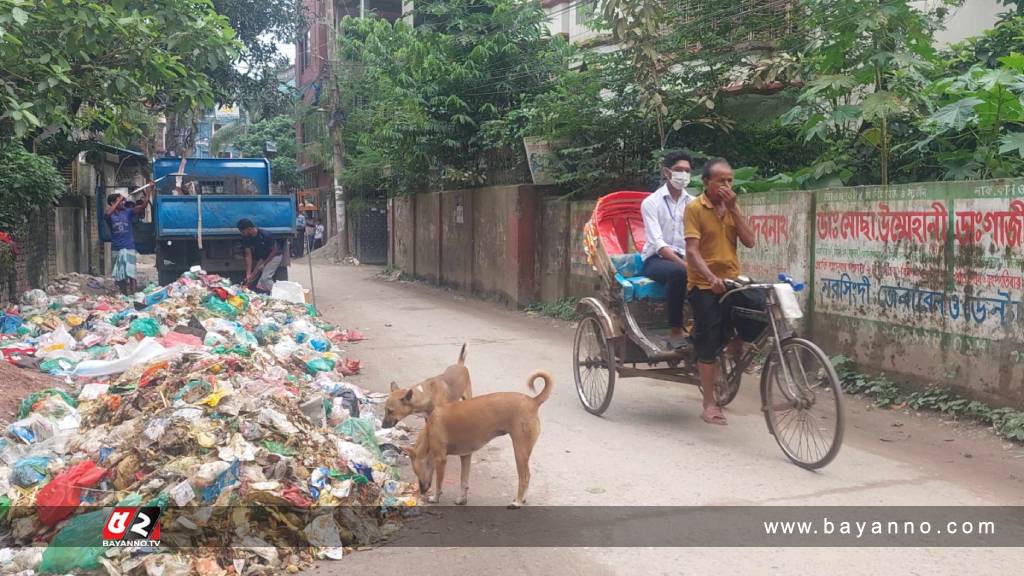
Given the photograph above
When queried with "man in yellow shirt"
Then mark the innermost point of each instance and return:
(712, 225)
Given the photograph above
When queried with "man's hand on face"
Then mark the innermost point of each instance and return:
(728, 197)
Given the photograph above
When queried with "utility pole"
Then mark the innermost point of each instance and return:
(334, 124)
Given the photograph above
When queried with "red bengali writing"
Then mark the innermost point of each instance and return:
(831, 265)
(1005, 227)
(772, 228)
(885, 225)
(1003, 280)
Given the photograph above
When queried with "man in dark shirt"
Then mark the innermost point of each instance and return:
(262, 248)
(120, 215)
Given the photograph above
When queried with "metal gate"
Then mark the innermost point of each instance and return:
(370, 235)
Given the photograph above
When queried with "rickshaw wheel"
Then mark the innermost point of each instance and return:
(727, 385)
(594, 365)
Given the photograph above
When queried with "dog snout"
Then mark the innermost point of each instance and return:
(388, 422)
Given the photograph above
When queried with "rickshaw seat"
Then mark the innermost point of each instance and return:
(634, 285)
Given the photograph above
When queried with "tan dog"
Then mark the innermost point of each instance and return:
(451, 385)
(461, 428)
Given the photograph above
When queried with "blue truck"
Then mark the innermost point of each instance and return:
(195, 224)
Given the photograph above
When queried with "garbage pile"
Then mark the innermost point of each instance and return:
(222, 412)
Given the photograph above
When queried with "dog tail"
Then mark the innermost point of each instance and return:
(548, 384)
(462, 355)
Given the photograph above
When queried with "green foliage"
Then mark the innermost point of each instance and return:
(87, 65)
(1007, 422)
(977, 128)
(420, 104)
(562, 309)
(251, 143)
(251, 80)
(27, 181)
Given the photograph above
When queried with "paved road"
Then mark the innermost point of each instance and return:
(651, 448)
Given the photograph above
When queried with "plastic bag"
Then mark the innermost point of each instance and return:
(30, 471)
(33, 428)
(9, 324)
(319, 365)
(362, 432)
(226, 479)
(289, 292)
(267, 334)
(26, 405)
(220, 308)
(144, 326)
(58, 499)
(147, 350)
(55, 342)
(78, 546)
(320, 344)
(35, 298)
(176, 339)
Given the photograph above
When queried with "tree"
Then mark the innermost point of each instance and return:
(74, 66)
(251, 81)
(251, 142)
(420, 104)
(27, 181)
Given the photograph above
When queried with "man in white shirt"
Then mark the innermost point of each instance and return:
(664, 251)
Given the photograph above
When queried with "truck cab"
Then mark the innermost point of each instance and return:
(195, 214)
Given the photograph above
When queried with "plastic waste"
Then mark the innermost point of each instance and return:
(289, 292)
(147, 350)
(323, 533)
(319, 365)
(30, 471)
(320, 344)
(220, 308)
(58, 499)
(78, 545)
(55, 342)
(33, 428)
(226, 479)
(30, 401)
(9, 324)
(144, 326)
(35, 298)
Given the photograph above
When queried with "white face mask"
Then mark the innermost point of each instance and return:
(680, 180)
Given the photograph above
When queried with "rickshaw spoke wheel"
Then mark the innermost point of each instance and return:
(803, 403)
(594, 369)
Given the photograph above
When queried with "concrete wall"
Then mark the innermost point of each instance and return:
(926, 280)
(427, 251)
(457, 239)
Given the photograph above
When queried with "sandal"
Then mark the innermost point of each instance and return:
(713, 415)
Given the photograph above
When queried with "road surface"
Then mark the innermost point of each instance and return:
(651, 448)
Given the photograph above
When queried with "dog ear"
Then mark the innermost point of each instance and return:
(408, 396)
(394, 386)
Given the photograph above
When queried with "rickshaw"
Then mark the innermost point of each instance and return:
(620, 330)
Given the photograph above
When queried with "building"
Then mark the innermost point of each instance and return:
(212, 121)
(310, 75)
(572, 19)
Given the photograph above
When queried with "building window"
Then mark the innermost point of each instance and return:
(304, 44)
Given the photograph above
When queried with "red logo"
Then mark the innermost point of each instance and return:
(132, 526)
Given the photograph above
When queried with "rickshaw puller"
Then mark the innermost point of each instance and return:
(713, 224)
(664, 247)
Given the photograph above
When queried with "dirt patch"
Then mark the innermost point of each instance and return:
(17, 384)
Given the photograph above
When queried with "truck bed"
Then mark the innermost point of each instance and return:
(177, 216)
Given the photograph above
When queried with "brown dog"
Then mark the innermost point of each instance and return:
(461, 428)
(451, 385)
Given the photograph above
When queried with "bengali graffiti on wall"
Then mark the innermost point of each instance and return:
(781, 236)
(945, 257)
